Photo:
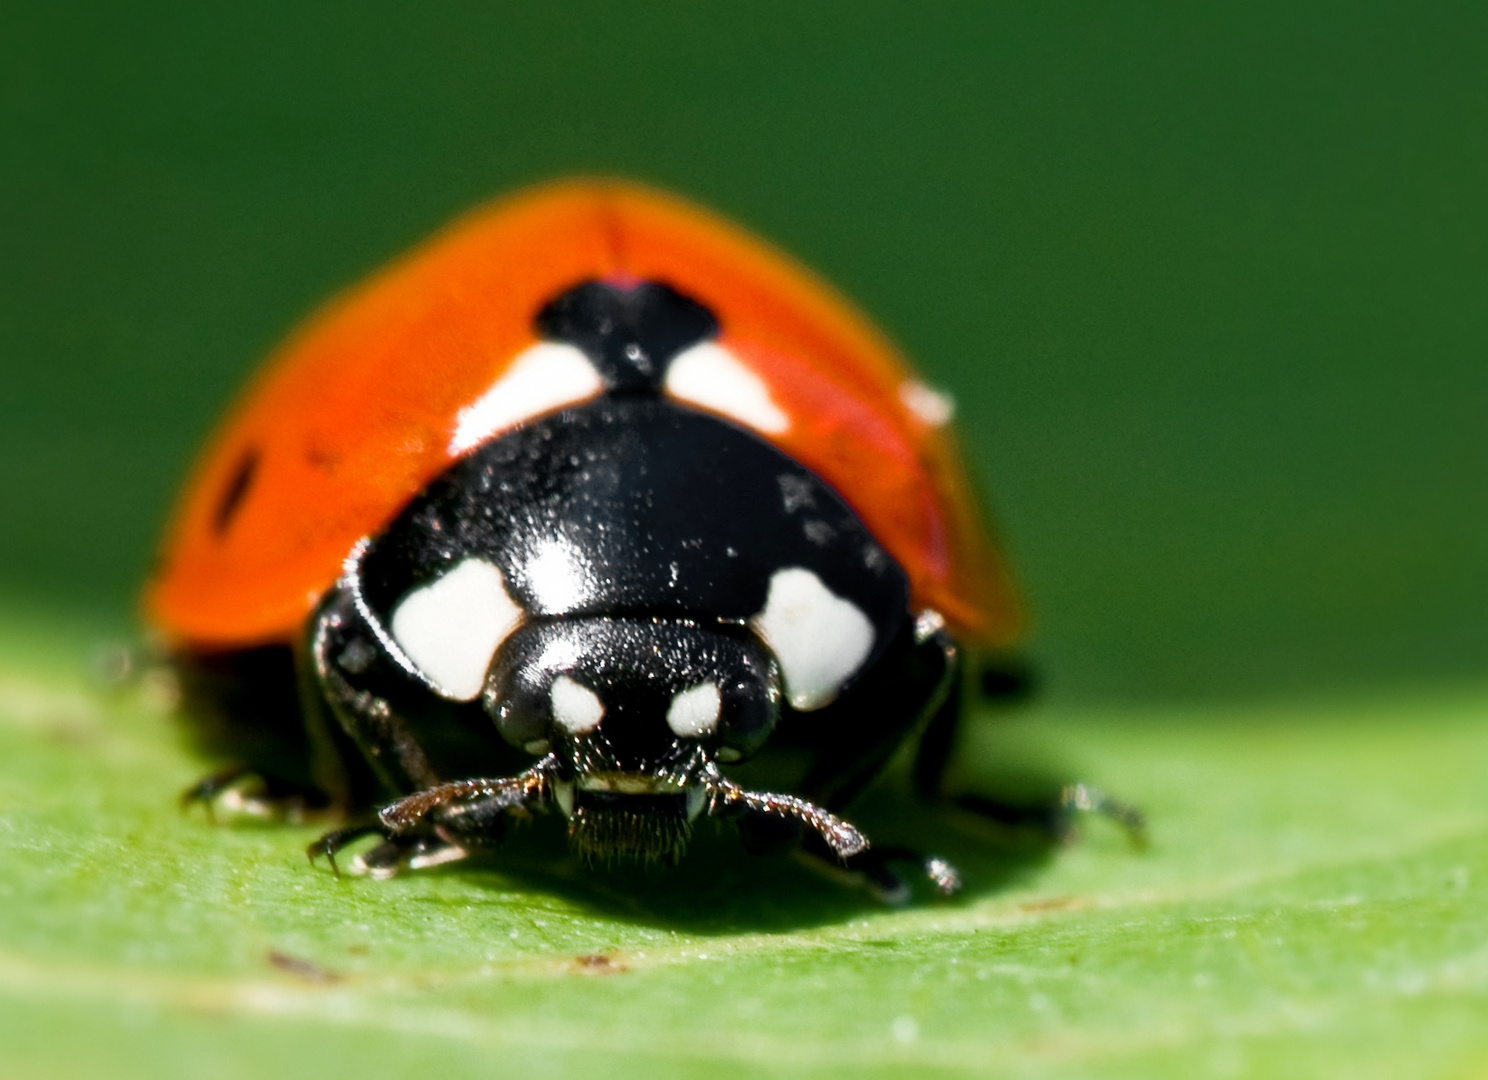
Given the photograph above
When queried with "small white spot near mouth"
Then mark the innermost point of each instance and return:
(631, 783)
(576, 709)
(709, 375)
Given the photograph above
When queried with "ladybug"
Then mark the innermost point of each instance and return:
(574, 509)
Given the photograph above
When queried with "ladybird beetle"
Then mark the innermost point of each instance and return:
(570, 510)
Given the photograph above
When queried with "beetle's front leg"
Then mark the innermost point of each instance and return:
(443, 823)
(353, 680)
(356, 684)
(391, 855)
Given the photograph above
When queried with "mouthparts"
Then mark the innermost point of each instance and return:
(617, 817)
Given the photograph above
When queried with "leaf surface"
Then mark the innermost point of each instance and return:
(1312, 904)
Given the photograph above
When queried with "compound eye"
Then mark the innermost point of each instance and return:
(522, 721)
(693, 713)
(750, 709)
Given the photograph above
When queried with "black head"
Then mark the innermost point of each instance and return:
(633, 712)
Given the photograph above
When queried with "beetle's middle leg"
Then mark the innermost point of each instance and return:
(1054, 816)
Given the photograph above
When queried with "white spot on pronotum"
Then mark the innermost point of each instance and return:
(819, 638)
(694, 712)
(576, 709)
(709, 375)
(452, 627)
(542, 378)
(931, 405)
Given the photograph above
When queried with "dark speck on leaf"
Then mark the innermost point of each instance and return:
(598, 964)
(305, 969)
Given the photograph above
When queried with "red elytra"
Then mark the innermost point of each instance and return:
(355, 413)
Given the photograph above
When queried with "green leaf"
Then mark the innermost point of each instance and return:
(1311, 905)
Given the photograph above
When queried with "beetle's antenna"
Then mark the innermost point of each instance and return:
(841, 836)
(495, 795)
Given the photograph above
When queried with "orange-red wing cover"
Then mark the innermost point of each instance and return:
(355, 414)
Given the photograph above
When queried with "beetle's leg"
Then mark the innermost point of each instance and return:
(391, 855)
(241, 707)
(336, 763)
(877, 717)
(1052, 816)
(329, 845)
(345, 672)
(1003, 683)
(441, 824)
(1056, 816)
(252, 790)
(346, 664)
(242, 789)
(875, 871)
(874, 726)
(388, 857)
(470, 808)
(779, 823)
(206, 790)
(790, 816)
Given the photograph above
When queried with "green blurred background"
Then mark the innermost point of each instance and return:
(1209, 287)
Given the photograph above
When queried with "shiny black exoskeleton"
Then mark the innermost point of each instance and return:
(599, 611)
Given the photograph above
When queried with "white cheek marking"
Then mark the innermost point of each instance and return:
(545, 376)
(819, 638)
(709, 375)
(452, 627)
(929, 404)
(694, 712)
(576, 709)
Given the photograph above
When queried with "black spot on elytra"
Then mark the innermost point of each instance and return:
(236, 490)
